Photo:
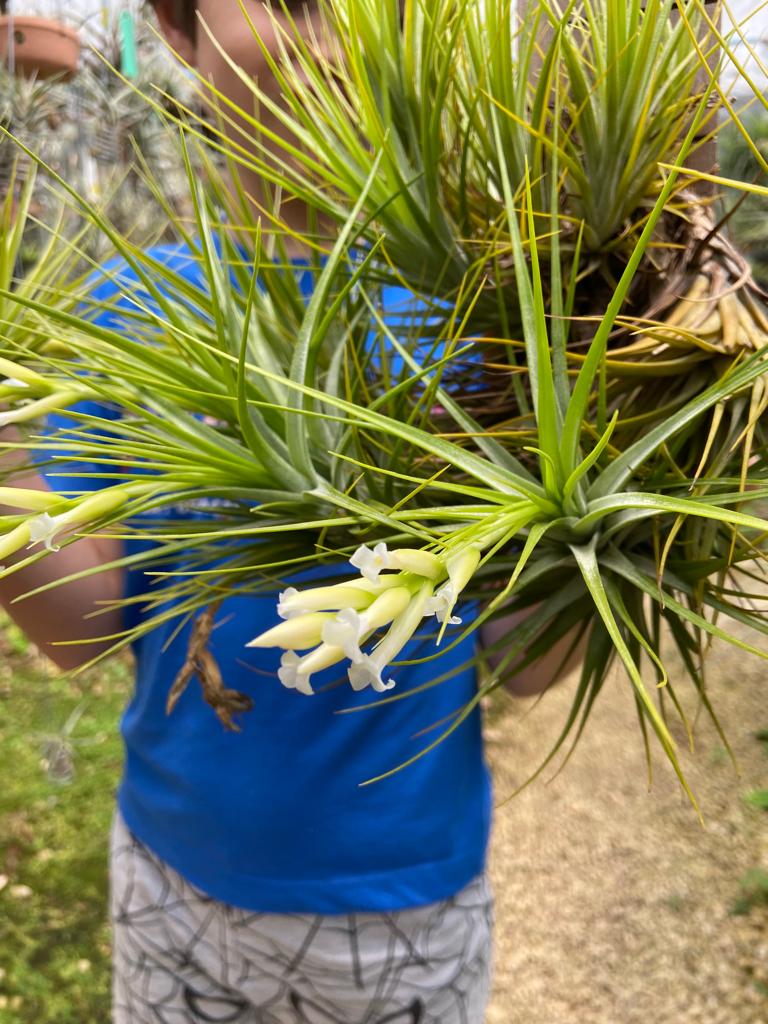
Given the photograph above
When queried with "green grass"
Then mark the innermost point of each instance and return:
(61, 754)
(759, 797)
(753, 891)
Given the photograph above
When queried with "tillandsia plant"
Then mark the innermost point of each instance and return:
(454, 98)
(606, 493)
(601, 90)
(38, 261)
(126, 142)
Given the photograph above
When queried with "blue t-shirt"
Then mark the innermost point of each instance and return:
(273, 818)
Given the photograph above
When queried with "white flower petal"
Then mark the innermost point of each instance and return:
(441, 604)
(44, 528)
(367, 672)
(290, 674)
(371, 562)
(346, 631)
(287, 604)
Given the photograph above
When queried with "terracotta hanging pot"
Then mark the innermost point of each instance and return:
(41, 46)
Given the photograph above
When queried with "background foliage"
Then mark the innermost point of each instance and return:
(60, 737)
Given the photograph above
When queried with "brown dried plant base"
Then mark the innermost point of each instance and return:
(702, 313)
(201, 663)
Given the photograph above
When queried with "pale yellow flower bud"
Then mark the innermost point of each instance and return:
(39, 408)
(387, 607)
(461, 567)
(19, 372)
(319, 599)
(96, 506)
(14, 540)
(295, 634)
(29, 499)
(423, 563)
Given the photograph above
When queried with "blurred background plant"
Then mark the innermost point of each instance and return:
(126, 148)
(748, 223)
(95, 129)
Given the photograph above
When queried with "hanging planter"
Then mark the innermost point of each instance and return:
(39, 46)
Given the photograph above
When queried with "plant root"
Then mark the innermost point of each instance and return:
(201, 663)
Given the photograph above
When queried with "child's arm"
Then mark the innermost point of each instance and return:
(60, 613)
(546, 671)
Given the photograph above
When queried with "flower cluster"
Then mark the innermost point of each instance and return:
(46, 528)
(395, 590)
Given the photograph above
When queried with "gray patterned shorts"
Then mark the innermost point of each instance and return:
(181, 957)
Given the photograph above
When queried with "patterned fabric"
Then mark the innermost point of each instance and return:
(181, 957)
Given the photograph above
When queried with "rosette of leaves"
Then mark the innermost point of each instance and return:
(313, 428)
(454, 99)
(36, 111)
(277, 420)
(451, 97)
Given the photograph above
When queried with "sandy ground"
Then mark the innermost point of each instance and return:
(614, 904)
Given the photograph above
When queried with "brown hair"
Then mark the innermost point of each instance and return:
(184, 15)
(185, 12)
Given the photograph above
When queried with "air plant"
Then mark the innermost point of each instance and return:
(607, 490)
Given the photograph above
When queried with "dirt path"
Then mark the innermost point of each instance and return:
(613, 904)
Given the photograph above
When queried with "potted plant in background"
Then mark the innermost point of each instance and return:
(43, 47)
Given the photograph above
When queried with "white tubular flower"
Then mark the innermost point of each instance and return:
(367, 671)
(422, 563)
(288, 604)
(347, 630)
(461, 568)
(371, 562)
(46, 527)
(342, 595)
(299, 633)
(441, 605)
(295, 672)
(290, 674)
